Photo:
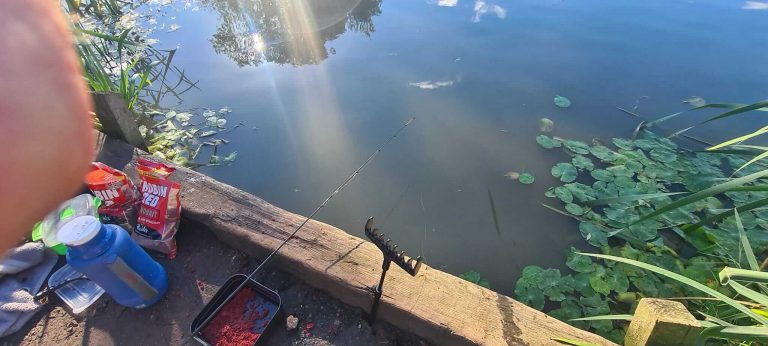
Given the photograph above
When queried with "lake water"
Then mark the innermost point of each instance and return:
(320, 84)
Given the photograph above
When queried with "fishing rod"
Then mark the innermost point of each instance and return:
(272, 254)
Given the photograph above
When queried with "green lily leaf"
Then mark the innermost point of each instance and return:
(599, 283)
(574, 209)
(580, 191)
(633, 166)
(593, 234)
(583, 162)
(563, 194)
(474, 277)
(603, 153)
(663, 155)
(565, 171)
(602, 175)
(576, 146)
(618, 281)
(568, 310)
(526, 178)
(620, 171)
(622, 143)
(547, 142)
(579, 264)
(686, 281)
(624, 182)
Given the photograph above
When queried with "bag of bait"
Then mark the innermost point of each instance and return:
(119, 197)
(160, 209)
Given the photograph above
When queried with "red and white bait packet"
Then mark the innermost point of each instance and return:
(119, 197)
(160, 209)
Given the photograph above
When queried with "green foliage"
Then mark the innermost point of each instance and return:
(547, 142)
(118, 55)
(565, 171)
(640, 194)
(474, 277)
(526, 178)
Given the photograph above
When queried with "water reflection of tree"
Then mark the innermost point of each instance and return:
(252, 32)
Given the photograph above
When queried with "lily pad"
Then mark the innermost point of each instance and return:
(663, 155)
(602, 175)
(645, 144)
(565, 171)
(546, 125)
(603, 153)
(580, 191)
(512, 175)
(562, 101)
(574, 209)
(526, 178)
(547, 142)
(563, 194)
(620, 171)
(593, 234)
(579, 263)
(599, 283)
(622, 143)
(583, 162)
(569, 309)
(576, 146)
(633, 166)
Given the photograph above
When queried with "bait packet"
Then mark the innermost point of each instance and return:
(119, 197)
(160, 209)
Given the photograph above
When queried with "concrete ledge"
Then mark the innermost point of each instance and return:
(437, 306)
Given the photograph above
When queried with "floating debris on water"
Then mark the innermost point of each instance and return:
(546, 125)
(512, 175)
(562, 101)
(696, 101)
(493, 212)
(430, 85)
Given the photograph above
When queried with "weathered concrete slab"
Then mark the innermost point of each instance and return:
(434, 305)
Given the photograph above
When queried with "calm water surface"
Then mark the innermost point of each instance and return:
(319, 84)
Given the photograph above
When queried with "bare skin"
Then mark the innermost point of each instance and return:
(46, 139)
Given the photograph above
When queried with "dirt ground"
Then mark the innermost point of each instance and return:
(202, 265)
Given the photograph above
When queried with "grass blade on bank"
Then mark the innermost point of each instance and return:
(732, 332)
(712, 191)
(684, 280)
(605, 317)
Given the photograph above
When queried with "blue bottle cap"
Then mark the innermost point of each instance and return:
(79, 230)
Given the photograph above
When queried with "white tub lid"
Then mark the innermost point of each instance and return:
(79, 230)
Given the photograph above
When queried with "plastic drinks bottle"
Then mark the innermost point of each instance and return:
(108, 256)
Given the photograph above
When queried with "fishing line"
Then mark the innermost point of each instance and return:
(272, 254)
(396, 203)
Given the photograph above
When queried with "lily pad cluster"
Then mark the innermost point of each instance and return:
(474, 277)
(181, 136)
(608, 187)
